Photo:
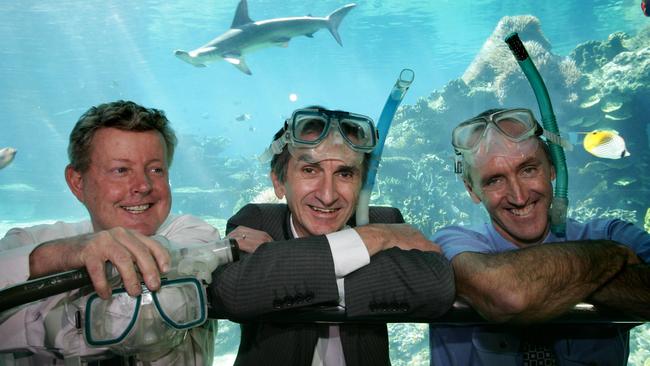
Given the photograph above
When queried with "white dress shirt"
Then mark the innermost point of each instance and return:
(46, 329)
(349, 254)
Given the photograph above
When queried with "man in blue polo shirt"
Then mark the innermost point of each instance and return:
(504, 273)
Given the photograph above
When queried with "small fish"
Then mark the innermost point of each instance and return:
(6, 156)
(243, 117)
(605, 144)
(625, 181)
(644, 8)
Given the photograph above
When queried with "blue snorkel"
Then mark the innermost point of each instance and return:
(400, 88)
(560, 200)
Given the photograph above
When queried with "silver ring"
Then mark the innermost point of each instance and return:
(243, 237)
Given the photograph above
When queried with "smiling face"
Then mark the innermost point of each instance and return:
(321, 195)
(126, 183)
(517, 192)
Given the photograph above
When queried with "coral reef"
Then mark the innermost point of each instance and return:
(409, 344)
(495, 69)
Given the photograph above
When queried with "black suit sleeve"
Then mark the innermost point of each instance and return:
(281, 275)
(400, 283)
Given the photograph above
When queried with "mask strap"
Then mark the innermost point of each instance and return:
(275, 148)
(557, 139)
(458, 164)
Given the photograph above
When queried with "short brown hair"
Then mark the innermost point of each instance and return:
(123, 115)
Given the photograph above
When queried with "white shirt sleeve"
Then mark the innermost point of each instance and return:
(348, 250)
(187, 230)
(15, 265)
(349, 253)
(15, 248)
(19, 243)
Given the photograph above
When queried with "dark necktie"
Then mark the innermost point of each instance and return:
(537, 353)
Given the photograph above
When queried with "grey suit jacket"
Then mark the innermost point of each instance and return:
(291, 274)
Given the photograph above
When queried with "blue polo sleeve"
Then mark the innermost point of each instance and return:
(455, 240)
(630, 235)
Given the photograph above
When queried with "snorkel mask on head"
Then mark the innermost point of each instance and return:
(317, 134)
(504, 134)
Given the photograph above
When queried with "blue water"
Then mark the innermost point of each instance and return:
(57, 58)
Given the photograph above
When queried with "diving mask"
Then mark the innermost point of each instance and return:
(324, 134)
(505, 133)
(152, 322)
(515, 125)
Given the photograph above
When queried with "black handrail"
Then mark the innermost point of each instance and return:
(460, 313)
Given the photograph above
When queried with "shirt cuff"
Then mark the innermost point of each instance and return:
(348, 251)
(15, 265)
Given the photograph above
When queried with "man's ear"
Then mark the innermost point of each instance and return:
(278, 186)
(552, 172)
(75, 182)
(475, 197)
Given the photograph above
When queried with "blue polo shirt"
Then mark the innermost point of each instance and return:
(596, 344)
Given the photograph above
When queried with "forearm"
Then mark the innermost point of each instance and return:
(629, 291)
(48, 257)
(536, 283)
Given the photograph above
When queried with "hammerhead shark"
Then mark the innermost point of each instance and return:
(245, 36)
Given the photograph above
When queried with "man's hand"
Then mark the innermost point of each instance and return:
(249, 239)
(378, 237)
(125, 249)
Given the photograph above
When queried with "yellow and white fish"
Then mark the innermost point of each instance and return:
(606, 144)
(6, 156)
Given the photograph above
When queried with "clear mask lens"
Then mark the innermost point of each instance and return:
(309, 130)
(109, 321)
(515, 124)
(177, 303)
(359, 135)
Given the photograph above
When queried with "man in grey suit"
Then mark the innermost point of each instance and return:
(307, 253)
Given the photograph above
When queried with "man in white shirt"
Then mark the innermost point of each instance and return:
(308, 254)
(120, 153)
